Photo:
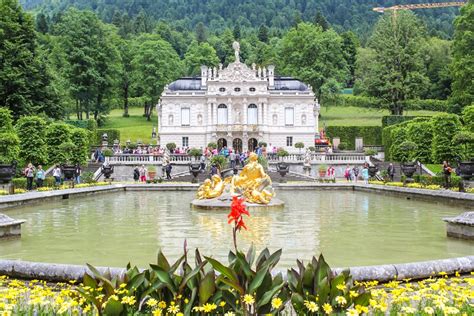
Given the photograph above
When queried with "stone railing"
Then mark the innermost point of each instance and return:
(316, 158)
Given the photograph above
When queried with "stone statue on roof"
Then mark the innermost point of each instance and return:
(236, 47)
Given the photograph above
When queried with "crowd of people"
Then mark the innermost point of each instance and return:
(37, 175)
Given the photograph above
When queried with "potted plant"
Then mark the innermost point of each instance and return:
(151, 172)
(322, 171)
(195, 153)
(195, 170)
(281, 152)
(171, 147)
(299, 145)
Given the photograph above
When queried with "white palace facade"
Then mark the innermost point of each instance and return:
(238, 107)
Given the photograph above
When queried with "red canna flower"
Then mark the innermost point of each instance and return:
(237, 209)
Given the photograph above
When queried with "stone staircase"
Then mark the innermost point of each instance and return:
(383, 165)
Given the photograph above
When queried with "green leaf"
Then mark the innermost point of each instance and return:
(227, 272)
(162, 262)
(136, 281)
(257, 280)
(191, 275)
(164, 277)
(272, 260)
(113, 308)
(334, 283)
(297, 301)
(266, 298)
(89, 281)
(262, 257)
(322, 271)
(207, 287)
(175, 265)
(363, 299)
(245, 265)
(251, 254)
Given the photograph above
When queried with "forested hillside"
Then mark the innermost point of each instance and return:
(343, 15)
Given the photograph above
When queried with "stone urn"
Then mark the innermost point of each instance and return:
(7, 172)
(195, 170)
(466, 169)
(408, 169)
(373, 171)
(107, 171)
(68, 171)
(283, 168)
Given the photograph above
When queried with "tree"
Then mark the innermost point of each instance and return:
(31, 131)
(396, 73)
(463, 57)
(445, 127)
(263, 33)
(197, 55)
(350, 43)
(42, 24)
(155, 63)
(81, 140)
(201, 35)
(24, 85)
(125, 51)
(236, 32)
(313, 56)
(438, 58)
(320, 20)
(58, 134)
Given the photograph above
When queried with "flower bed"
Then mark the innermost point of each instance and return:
(418, 186)
(61, 187)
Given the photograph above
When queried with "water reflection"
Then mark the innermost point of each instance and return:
(350, 228)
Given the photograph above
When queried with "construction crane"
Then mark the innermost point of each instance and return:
(395, 8)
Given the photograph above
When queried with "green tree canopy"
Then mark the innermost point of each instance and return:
(31, 131)
(197, 55)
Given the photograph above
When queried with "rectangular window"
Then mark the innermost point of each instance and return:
(185, 116)
(289, 116)
(289, 141)
(185, 141)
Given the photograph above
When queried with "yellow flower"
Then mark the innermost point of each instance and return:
(222, 304)
(429, 310)
(186, 301)
(130, 300)
(353, 293)
(173, 309)
(352, 312)
(311, 306)
(248, 299)
(162, 304)
(123, 285)
(157, 312)
(113, 297)
(408, 310)
(180, 314)
(276, 302)
(341, 287)
(327, 308)
(209, 307)
(341, 300)
(152, 302)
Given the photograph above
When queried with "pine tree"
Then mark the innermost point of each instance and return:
(42, 24)
(320, 20)
(236, 32)
(201, 35)
(263, 34)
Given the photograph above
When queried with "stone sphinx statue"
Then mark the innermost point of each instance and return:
(252, 183)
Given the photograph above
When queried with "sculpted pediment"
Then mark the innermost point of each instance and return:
(237, 72)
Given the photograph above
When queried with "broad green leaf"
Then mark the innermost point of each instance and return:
(245, 265)
(162, 262)
(363, 299)
(266, 298)
(227, 272)
(207, 287)
(113, 308)
(251, 254)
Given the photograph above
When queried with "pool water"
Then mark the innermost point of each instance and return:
(349, 228)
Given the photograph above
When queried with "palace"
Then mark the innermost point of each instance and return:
(238, 107)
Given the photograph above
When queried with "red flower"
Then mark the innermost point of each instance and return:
(237, 209)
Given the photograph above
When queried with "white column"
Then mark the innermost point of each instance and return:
(260, 114)
(209, 114)
(214, 114)
(245, 110)
(229, 114)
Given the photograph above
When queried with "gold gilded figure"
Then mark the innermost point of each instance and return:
(252, 183)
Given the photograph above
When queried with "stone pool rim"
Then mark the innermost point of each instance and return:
(55, 272)
(443, 196)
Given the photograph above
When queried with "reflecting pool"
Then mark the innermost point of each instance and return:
(350, 228)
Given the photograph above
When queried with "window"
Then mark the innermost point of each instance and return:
(252, 89)
(252, 114)
(222, 89)
(185, 141)
(222, 114)
(237, 89)
(185, 116)
(289, 141)
(289, 116)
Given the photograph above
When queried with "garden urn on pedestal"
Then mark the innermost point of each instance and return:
(466, 172)
(408, 169)
(373, 171)
(7, 172)
(107, 171)
(195, 170)
(283, 168)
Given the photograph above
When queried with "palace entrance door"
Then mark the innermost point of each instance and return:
(253, 143)
(221, 142)
(237, 145)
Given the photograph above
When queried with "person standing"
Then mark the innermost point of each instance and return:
(168, 171)
(331, 172)
(365, 175)
(77, 174)
(143, 173)
(347, 173)
(30, 174)
(391, 171)
(202, 162)
(232, 160)
(355, 171)
(447, 170)
(40, 176)
(136, 174)
(57, 175)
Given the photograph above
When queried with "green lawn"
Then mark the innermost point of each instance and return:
(436, 168)
(134, 127)
(355, 116)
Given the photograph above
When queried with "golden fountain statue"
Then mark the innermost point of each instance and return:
(252, 183)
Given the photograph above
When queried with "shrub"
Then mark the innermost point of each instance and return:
(370, 152)
(262, 144)
(312, 148)
(219, 161)
(407, 151)
(108, 152)
(468, 118)
(171, 146)
(9, 141)
(112, 135)
(372, 135)
(342, 146)
(445, 127)
(299, 145)
(81, 140)
(212, 145)
(195, 152)
(90, 124)
(399, 135)
(31, 131)
(281, 152)
(420, 131)
(390, 120)
(57, 134)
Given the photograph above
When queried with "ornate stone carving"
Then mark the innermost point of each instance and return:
(237, 72)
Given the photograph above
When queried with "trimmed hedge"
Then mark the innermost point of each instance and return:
(90, 124)
(397, 119)
(113, 134)
(20, 183)
(372, 135)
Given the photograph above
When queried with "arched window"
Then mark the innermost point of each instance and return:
(222, 114)
(252, 114)
(170, 120)
(303, 119)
